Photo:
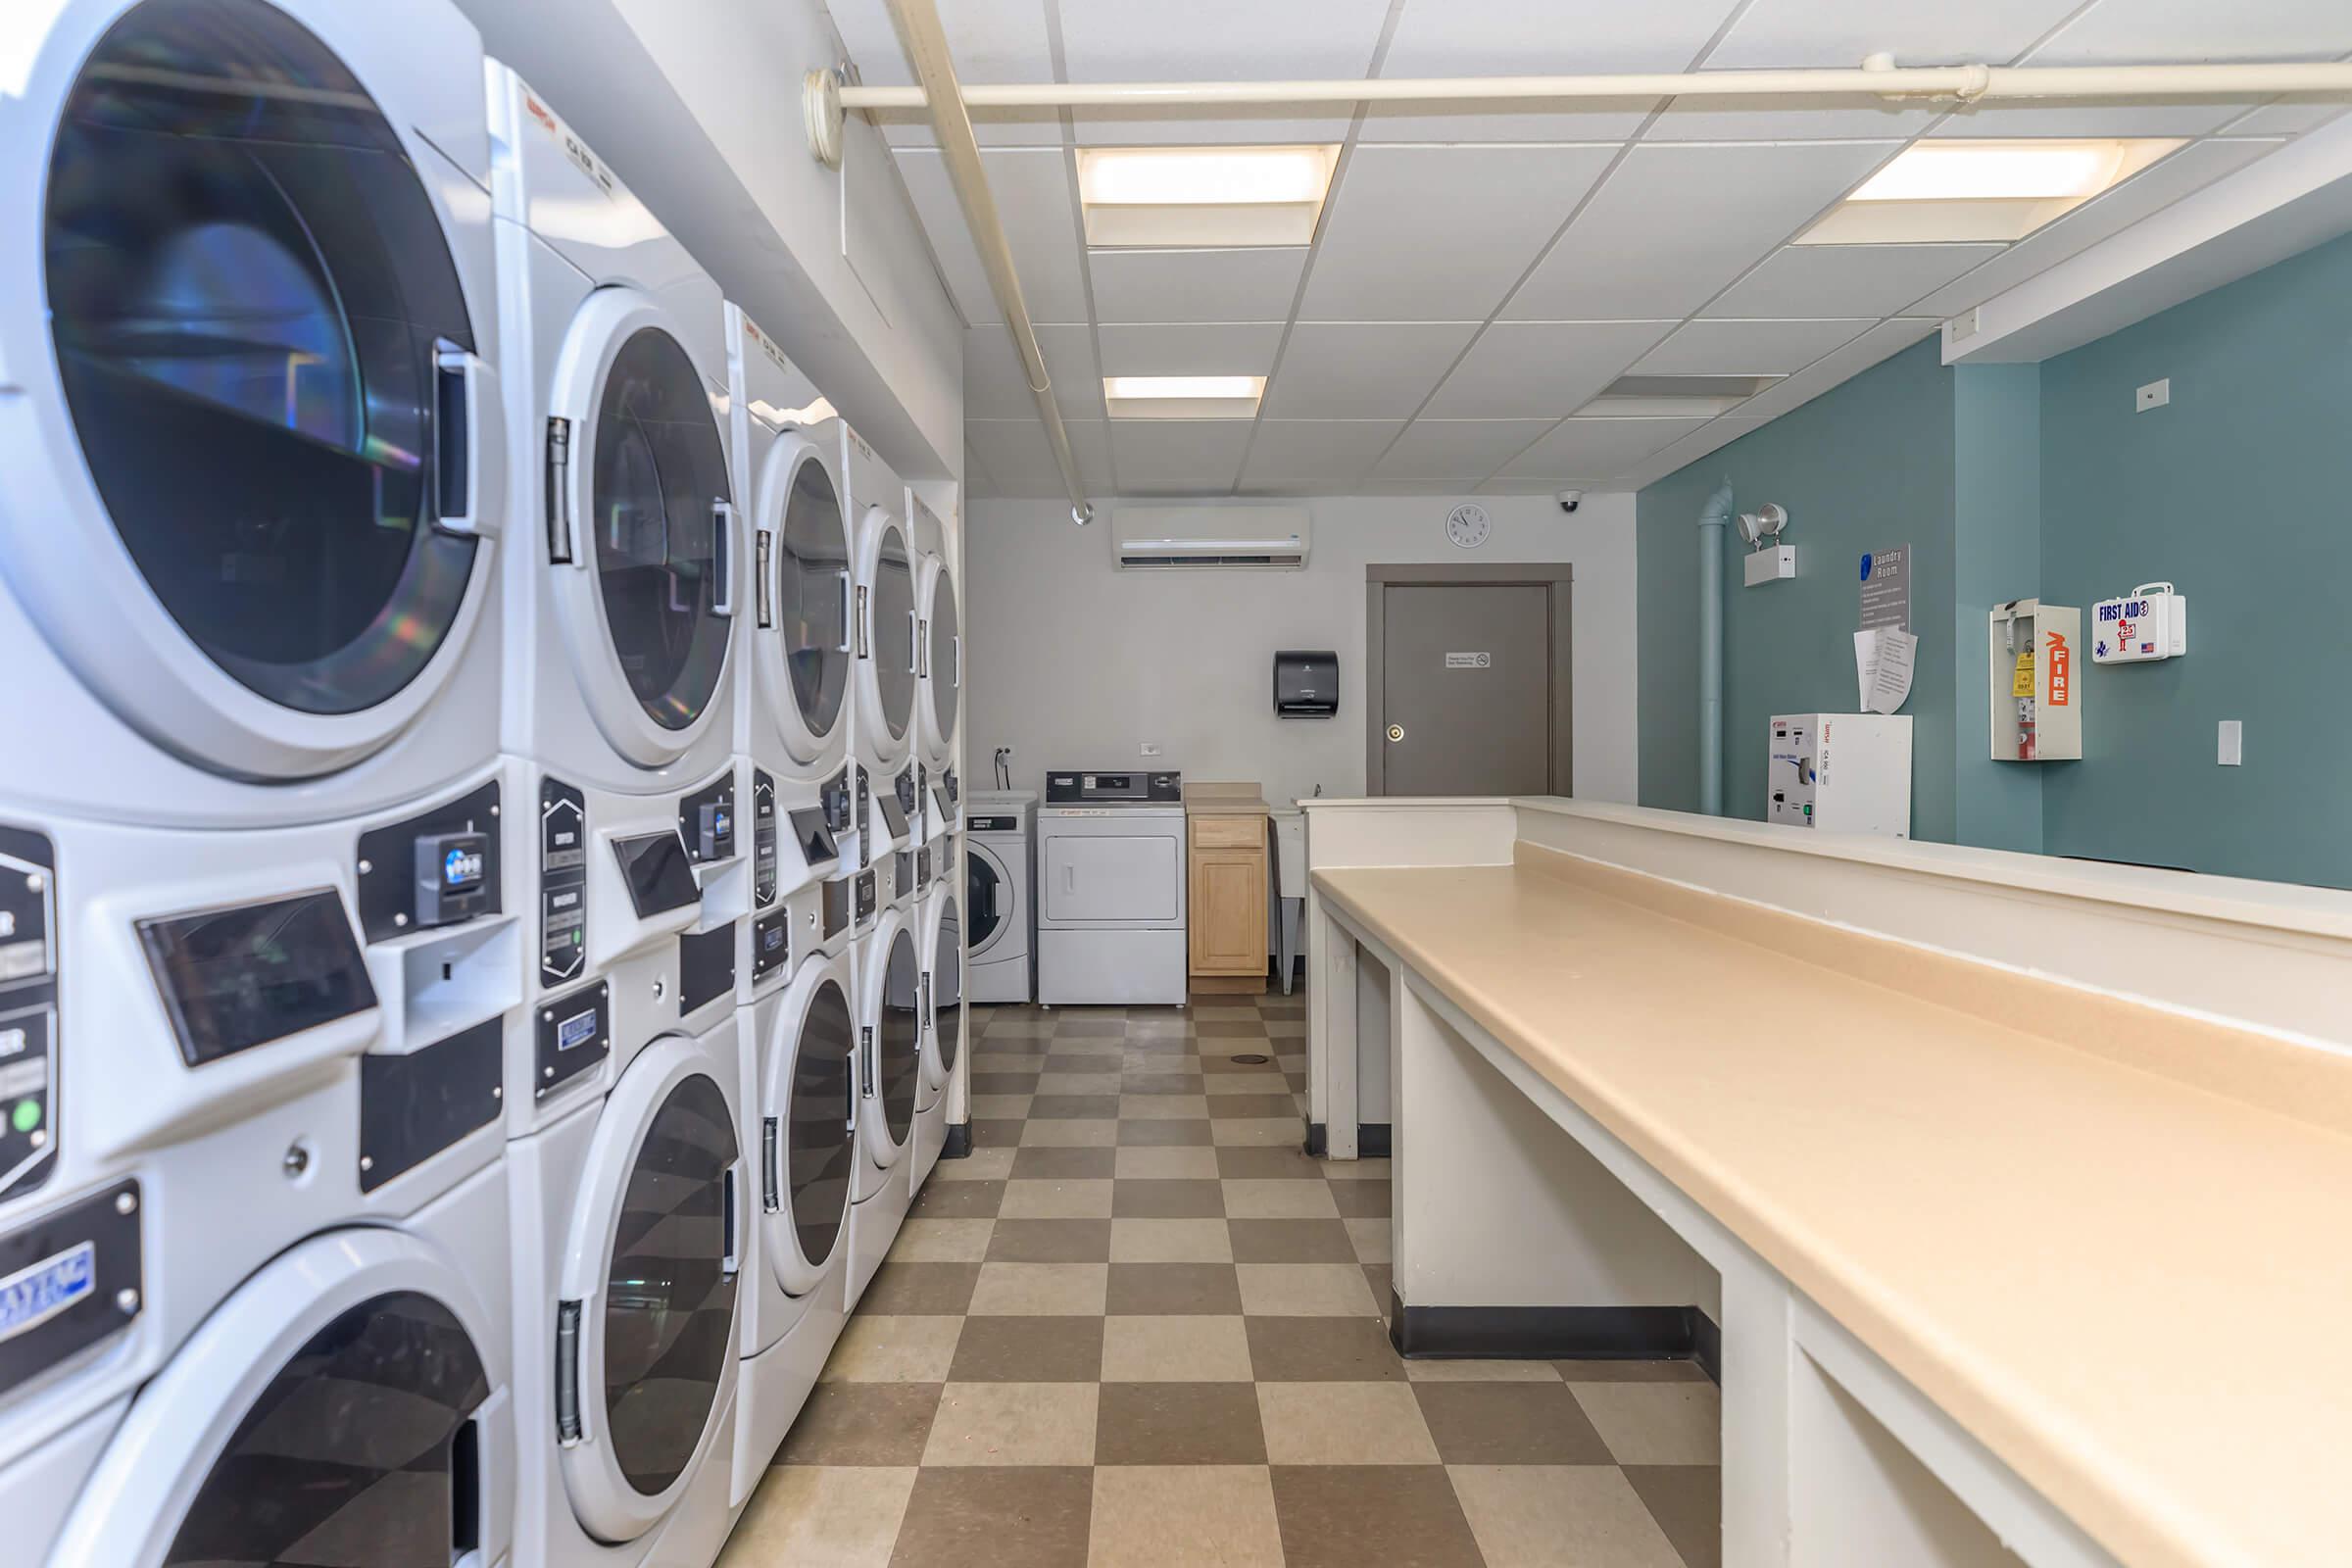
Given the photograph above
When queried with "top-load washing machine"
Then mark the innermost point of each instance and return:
(939, 669)
(269, 1207)
(254, 442)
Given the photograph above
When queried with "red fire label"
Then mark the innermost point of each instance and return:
(2061, 669)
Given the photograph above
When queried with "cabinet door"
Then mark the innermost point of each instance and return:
(1229, 912)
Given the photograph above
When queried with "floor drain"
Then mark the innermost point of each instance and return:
(1253, 1060)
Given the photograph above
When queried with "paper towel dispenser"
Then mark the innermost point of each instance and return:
(1306, 683)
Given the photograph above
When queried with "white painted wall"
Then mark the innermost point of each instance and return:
(1075, 663)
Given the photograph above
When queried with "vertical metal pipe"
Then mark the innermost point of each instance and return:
(1713, 518)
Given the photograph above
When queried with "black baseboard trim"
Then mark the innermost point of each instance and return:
(958, 1142)
(1372, 1140)
(1557, 1334)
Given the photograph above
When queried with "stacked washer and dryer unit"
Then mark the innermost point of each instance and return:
(449, 951)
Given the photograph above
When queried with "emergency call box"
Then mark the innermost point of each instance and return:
(2035, 672)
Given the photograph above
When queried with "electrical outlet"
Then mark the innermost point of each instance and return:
(2233, 742)
(2155, 395)
(1150, 748)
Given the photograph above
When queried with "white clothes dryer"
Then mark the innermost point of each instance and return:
(883, 736)
(628, 1238)
(937, 1095)
(255, 1186)
(889, 1074)
(800, 1129)
(255, 448)
(939, 661)
(998, 899)
(620, 596)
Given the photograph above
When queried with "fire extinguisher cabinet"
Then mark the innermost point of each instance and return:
(2036, 671)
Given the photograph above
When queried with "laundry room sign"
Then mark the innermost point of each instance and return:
(1469, 661)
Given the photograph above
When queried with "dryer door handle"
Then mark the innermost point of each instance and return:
(922, 649)
(723, 556)
(466, 389)
(771, 1139)
(849, 634)
(731, 1264)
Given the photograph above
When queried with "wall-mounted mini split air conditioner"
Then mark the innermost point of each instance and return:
(1161, 538)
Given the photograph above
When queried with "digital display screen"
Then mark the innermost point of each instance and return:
(233, 979)
(660, 877)
(814, 837)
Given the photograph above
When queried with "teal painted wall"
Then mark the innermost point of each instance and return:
(2240, 491)
(1863, 466)
(1997, 442)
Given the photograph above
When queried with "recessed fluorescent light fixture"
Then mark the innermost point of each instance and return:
(1632, 397)
(1202, 196)
(1183, 397)
(1940, 193)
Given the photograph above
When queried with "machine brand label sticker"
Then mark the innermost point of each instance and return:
(32, 1295)
(1464, 662)
(575, 149)
(578, 1030)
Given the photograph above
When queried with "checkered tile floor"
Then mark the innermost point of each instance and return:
(1139, 1326)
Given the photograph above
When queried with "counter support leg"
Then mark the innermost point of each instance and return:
(1331, 1030)
(1758, 1354)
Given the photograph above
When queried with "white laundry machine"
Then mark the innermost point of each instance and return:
(998, 906)
(799, 1130)
(629, 1231)
(621, 592)
(1111, 888)
(939, 665)
(253, 1108)
(883, 736)
(254, 442)
(890, 1073)
(940, 942)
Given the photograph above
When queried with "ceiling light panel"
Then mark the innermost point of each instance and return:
(1202, 196)
(1951, 191)
(1183, 397)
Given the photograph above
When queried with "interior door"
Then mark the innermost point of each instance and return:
(1465, 690)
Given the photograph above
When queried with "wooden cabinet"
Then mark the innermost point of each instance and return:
(1227, 899)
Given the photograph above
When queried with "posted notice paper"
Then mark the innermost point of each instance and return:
(1883, 657)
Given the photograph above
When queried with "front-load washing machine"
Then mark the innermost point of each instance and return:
(257, 1196)
(629, 1214)
(253, 438)
(890, 1070)
(997, 894)
(799, 1130)
(940, 942)
(939, 661)
(621, 592)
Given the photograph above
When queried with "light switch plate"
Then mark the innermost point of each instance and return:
(2233, 742)
(2155, 395)
(1150, 748)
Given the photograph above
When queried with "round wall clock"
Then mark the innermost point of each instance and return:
(1468, 526)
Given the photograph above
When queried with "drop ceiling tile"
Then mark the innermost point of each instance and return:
(1016, 457)
(1178, 457)
(2162, 183)
(1216, 41)
(1775, 33)
(1530, 37)
(2058, 116)
(1747, 348)
(1225, 348)
(992, 40)
(1326, 455)
(1712, 436)
(1883, 342)
(1745, 119)
(1591, 451)
(1464, 451)
(2285, 116)
(1362, 369)
(1541, 370)
(1826, 281)
(996, 384)
(1673, 223)
(1032, 187)
(1196, 285)
(1456, 225)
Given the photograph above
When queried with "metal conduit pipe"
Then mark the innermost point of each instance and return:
(1878, 77)
(1713, 518)
(926, 44)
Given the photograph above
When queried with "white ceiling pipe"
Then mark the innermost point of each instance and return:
(926, 44)
(1877, 77)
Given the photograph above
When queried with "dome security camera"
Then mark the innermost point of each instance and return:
(1569, 500)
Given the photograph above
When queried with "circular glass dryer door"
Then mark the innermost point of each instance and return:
(894, 1057)
(814, 1090)
(946, 994)
(809, 597)
(653, 1332)
(265, 354)
(943, 662)
(988, 894)
(336, 1408)
(894, 631)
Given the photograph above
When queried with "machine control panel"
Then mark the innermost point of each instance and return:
(771, 943)
(836, 797)
(29, 1026)
(562, 882)
(436, 869)
(706, 822)
(976, 823)
(908, 788)
(1075, 788)
(763, 839)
